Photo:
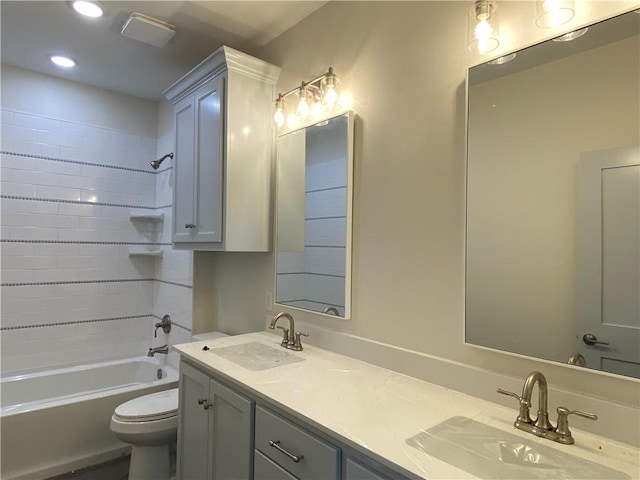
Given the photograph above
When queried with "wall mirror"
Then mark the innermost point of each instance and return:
(553, 201)
(313, 216)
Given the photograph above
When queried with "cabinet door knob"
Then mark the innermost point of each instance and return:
(276, 444)
(189, 225)
(204, 402)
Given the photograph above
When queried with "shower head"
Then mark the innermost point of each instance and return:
(156, 163)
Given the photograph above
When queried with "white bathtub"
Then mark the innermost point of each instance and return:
(57, 421)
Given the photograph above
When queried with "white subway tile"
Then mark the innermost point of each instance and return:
(16, 276)
(6, 116)
(87, 132)
(57, 193)
(36, 122)
(77, 181)
(57, 138)
(62, 168)
(35, 178)
(17, 132)
(16, 161)
(18, 189)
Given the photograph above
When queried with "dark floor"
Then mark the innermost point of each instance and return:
(117, 469)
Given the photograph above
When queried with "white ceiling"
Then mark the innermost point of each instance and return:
(32, 30)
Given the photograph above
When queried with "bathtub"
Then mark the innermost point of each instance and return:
(56, 421)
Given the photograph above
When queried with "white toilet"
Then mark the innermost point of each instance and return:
(150, 424)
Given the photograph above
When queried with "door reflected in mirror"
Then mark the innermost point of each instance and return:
(553, 201)
(313, 217)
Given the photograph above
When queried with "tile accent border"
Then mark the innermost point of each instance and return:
(76, 202)
(78, 162)
(75, 282)
(82, 242)
(74, 322)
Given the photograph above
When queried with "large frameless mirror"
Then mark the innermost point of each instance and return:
(313, 217)
(553, 200)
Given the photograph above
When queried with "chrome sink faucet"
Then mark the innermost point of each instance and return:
(541, 426)
(163, 349)
(291, 338)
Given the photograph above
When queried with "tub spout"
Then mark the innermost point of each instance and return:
(163, 349)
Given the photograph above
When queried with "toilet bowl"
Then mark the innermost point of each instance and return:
(149, 424)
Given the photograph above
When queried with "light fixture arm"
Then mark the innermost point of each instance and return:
(311, 83)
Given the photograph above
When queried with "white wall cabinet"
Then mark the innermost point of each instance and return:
(224, 433)
(223, 153)
(215, 429)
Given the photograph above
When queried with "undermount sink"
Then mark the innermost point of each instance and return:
(257, 356)
(490, 453)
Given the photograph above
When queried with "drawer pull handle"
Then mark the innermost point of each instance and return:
(276, 445)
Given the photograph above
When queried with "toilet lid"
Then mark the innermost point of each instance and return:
(154, 406)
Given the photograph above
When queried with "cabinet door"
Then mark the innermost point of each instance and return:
(232, 438)
(183, 170)
(193, 425)
(209, 103)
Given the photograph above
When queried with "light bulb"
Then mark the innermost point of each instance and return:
(316, 110)
(303, 108)
(330, 97)
(483, 27)
(552, 13)
(278, 117)
(292, 120)
(483, 33)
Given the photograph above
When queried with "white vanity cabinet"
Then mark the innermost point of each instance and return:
(215, 429)
(223, 149)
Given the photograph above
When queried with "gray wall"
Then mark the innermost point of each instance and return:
(405, 64)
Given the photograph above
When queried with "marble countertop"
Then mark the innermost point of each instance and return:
(375, 410)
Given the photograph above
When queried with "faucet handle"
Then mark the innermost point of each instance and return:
(523, 415)
(297, 343)
(562, 429)
(285, 338)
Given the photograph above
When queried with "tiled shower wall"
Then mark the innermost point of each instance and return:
(71, 291)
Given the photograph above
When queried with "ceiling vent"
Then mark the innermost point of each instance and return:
(148, 30)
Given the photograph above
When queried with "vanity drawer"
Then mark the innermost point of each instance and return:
(319, 459)
(265, 469)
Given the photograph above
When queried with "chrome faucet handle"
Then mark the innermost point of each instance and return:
(562, 430)
(297, 343)
(285, 337)
(524, 414)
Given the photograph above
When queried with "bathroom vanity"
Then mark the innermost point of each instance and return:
(265, 412)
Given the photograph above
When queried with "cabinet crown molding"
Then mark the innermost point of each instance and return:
(225, 58)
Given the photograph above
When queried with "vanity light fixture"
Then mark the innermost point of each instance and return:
(567, 37)
(314, 98)
(88, 9)
(553, 13)
(483, 28)
(62, 61)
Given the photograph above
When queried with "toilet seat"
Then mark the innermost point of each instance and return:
(155, 406)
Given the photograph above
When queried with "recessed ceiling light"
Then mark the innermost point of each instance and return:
(88, 9)
(62, 61)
